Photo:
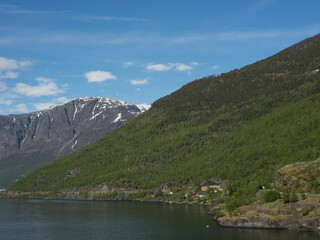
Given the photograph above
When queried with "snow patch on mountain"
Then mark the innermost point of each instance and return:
(118, 118)
(143, 107)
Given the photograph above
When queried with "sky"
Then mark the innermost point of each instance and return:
(135, 51)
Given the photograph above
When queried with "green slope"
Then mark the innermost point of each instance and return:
(241, 126)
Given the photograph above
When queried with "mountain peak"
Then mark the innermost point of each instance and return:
(102, 101)
(32, 139)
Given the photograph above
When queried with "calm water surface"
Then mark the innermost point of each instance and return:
(40, 219)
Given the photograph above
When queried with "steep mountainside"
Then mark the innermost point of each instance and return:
(31, 140)
(241, 126)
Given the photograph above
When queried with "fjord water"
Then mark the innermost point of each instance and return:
(41, 219)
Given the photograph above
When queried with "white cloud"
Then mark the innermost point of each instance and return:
(19, 108)
(46, 87)
(3, 86)
(54, 102)
(7, 64)
(61, 100)
(182, 67)
(215, 67)
(139, 82)
(166, 67)
(127, 64)
(99, 76)
(9, 75)
(5, 101)
(160, 67)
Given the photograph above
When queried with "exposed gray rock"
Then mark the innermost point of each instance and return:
(28, 141)
(72, 173)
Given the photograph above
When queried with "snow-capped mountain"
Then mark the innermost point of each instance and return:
(30, 140)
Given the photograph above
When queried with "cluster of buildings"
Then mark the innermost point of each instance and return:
(207, 185)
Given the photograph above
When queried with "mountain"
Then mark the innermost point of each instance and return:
(31, 140)
(238, 128)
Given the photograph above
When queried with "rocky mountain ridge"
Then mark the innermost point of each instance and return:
(31, 140)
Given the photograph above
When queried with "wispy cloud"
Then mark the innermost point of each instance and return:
(71, 15)
(19, 108)
(61, 100)
(54, 102)
(17, 10)
(215, 67)
(79, 38)
(3, 86)
(139, 82)
(89, 18)
(127, 64)
(41, 106)
(9, 75)
(45, 36)
(259, 5)
(246, 35)
(5, 101)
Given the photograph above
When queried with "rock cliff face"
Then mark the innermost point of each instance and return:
(31, 140)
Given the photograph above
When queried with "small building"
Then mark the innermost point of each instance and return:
(210, 184)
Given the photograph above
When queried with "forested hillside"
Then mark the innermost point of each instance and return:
(241, 126)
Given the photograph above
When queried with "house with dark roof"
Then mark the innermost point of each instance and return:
(210, 184)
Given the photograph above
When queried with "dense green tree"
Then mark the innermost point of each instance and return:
(271, 196)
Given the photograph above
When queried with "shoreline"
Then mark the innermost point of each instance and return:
(253, 216)
(30, 196)
(302, 215)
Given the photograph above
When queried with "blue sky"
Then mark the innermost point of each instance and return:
(136, 51)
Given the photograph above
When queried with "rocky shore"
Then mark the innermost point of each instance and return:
(303, 215)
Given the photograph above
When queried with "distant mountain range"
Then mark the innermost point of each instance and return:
(30, 140)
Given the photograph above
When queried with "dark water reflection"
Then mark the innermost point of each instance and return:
(37, 219)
